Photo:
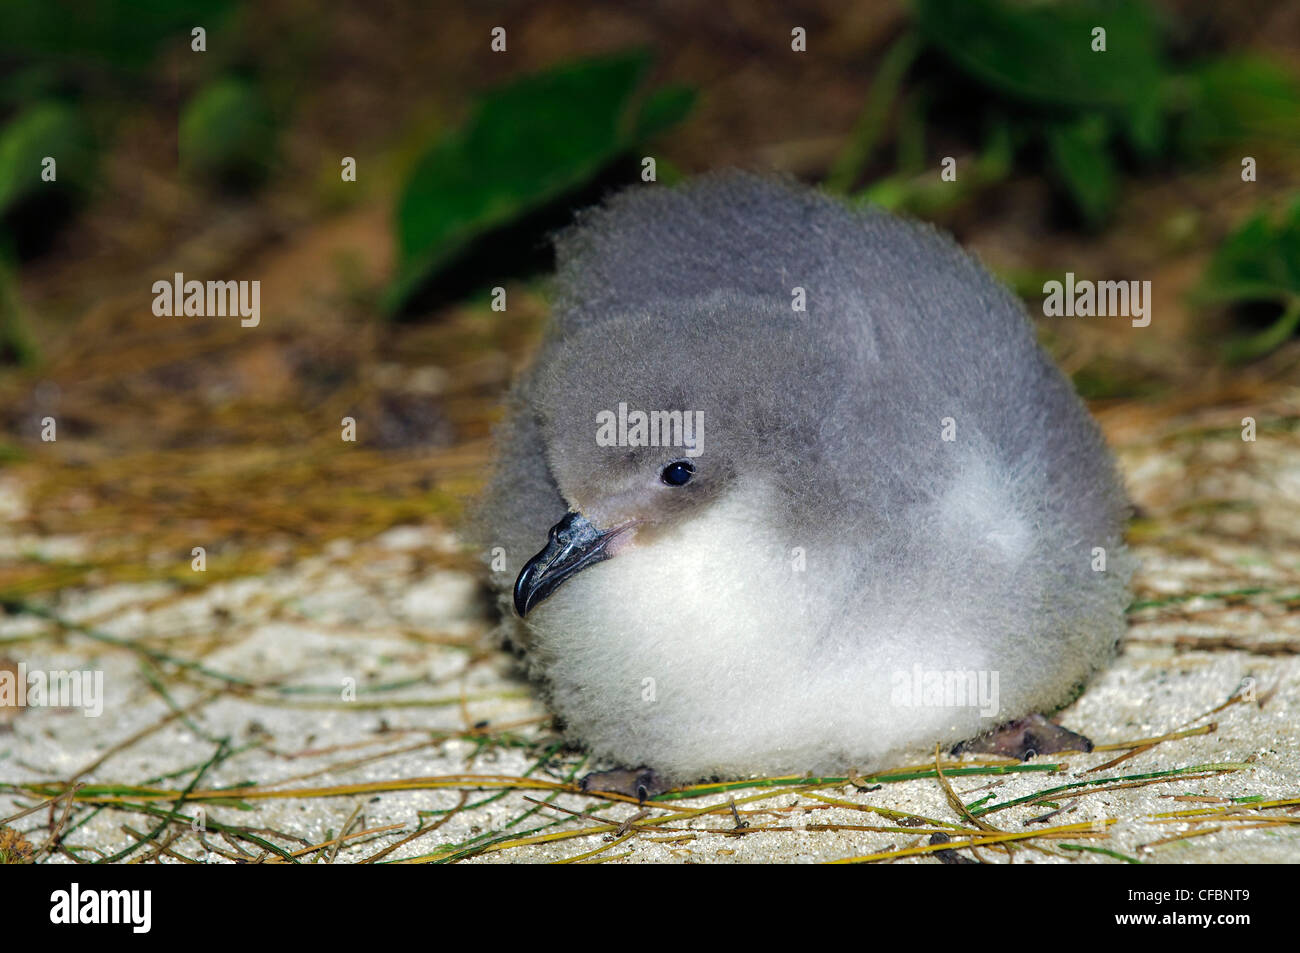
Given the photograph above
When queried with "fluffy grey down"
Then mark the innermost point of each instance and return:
(832, 551)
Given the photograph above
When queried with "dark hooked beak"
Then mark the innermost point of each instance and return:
(574, 545)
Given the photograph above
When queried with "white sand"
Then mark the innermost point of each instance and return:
(369, 612)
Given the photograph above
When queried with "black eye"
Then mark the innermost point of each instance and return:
(678, 474)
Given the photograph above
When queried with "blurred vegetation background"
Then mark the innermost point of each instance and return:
(227, 163)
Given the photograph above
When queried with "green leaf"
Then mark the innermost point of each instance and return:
(49, 128)
(1260, 262)
(1080, 157)
(663, 109)
(227, 134)
(1268, 340)
(527, 144)
(1042, 54)
(1235, 99)
(123, 33)
(1042, 57)
(870, 125)
(1144, 124)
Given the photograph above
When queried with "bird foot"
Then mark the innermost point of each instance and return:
(1024, 738)
(640, 783)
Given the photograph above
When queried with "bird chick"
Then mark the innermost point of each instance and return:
(863, 512)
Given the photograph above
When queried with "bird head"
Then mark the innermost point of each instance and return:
(646, 424)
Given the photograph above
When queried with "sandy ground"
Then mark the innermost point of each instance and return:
(1211, 657)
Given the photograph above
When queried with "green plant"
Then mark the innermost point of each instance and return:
(227, 134)
(1259, 263)
(528, 144)
(1040, 93)
(47, 129)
